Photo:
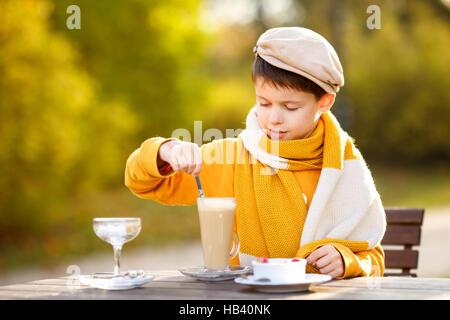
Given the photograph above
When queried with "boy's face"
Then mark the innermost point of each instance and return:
(288, 114)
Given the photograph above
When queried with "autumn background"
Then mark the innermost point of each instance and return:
(74, 104)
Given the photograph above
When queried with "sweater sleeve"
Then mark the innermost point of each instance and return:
(145, 180)
(361, 264)
(359, 261)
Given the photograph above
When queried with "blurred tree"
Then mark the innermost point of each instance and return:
(396, 78)
(147, 53)
(59, 141)
(394, 101)
(75, 103)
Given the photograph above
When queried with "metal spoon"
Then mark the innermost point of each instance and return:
(199, 186)
(129, 274)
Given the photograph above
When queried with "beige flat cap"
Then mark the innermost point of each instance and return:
(304, 52)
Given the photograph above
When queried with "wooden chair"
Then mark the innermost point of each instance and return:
(403, 228)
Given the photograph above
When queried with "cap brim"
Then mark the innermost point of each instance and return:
(280, 64)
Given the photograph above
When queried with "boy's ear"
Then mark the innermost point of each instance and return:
(326, 102)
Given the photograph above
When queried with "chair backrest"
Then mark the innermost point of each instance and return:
(403, 229)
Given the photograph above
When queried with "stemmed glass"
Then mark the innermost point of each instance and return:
(117, 231)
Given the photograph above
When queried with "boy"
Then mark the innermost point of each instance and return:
(302, 188)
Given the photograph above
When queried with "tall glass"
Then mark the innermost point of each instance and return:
(216, 227)
(117, 231)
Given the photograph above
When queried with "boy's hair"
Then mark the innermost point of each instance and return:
(282, 78)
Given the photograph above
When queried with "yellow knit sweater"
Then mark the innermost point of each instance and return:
(220, 160)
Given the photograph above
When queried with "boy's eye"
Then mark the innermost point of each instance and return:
(268, 104)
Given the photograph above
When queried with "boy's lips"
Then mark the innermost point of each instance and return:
(276, 133)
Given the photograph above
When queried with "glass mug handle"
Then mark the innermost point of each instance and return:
(235, 250)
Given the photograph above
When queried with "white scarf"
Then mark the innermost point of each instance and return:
(345, 205)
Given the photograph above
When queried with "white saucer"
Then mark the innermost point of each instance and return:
(119, 283)
(201, 273)
(267, 286)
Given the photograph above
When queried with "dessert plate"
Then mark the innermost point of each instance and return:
(265, 285)
(201, 273)
(116, 283)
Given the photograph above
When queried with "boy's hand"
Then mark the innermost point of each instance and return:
(328, 260)
(182, 156)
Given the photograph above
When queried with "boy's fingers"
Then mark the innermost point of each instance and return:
(190, 166)
(333, 270)
(193, 160)
(189, 163)
(198, 161)
(328, 269)
(183, 162)
(198, 169)
(324, 262)
(187, 158)
(174, 165)
(316, 255)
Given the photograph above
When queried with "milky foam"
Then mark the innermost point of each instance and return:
(216, 204)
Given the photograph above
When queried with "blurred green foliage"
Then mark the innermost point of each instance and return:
(146, 53)
(411, 186)
(395, 98)
(75, 103)
(398, 84)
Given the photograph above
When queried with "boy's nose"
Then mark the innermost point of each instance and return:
(275, 116)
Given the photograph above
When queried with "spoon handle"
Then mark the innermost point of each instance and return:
(199, 186)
